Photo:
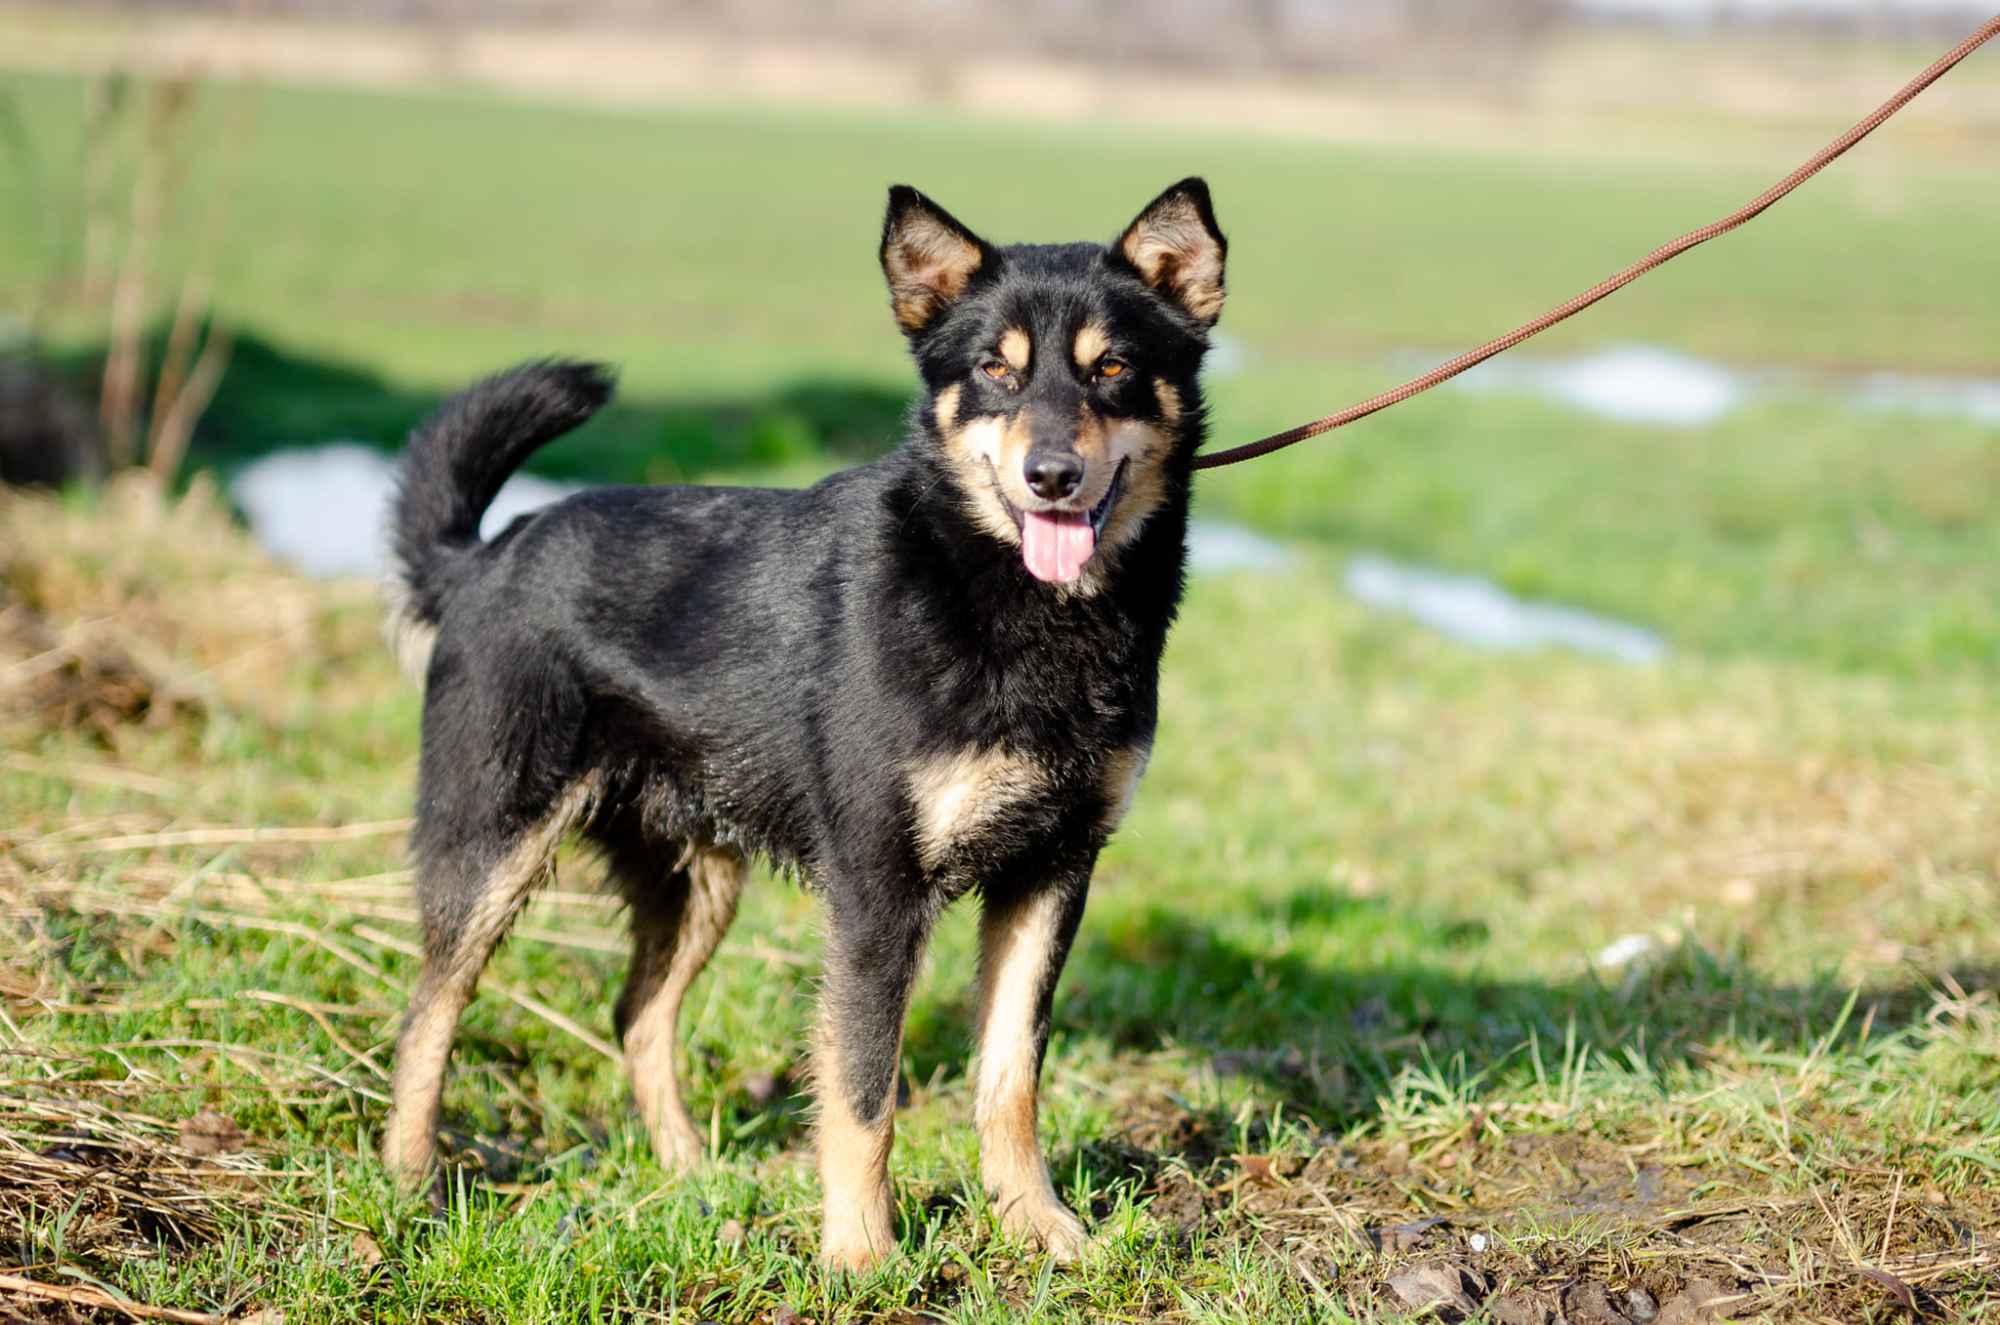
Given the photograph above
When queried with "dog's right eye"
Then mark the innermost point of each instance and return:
(996, 369)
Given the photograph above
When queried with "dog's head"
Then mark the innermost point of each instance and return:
(1062, 390)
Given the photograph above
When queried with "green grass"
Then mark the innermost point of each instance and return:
(1347, 933)
(1338, 972)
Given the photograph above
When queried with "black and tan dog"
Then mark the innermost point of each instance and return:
(926, 676)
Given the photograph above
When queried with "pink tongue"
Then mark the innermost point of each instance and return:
(1055, 544)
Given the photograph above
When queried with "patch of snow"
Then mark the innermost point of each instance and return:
(1628, 383)
(1647, 384)
(1621, 951)
(1215, 548)
(1937, 396)
(1227, 356)
(521, 495)
(1480, 613)
(325, 508)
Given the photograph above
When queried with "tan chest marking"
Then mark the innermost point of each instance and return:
(955, 794)
(1119, 782)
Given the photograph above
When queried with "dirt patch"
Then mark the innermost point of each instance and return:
(1505, 1225)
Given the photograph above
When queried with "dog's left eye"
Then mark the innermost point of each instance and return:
(1110, 368)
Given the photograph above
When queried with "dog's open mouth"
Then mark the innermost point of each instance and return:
(1056, 544)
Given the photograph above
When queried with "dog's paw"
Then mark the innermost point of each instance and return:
(678, 1147)
(855, 1255)
(1049, 1225)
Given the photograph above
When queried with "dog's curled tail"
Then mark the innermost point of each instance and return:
(453, 468)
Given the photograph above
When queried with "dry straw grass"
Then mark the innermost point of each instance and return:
(146, 615)
(150, 607)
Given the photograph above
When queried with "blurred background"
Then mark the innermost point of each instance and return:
(1629, 701)
(239, 231)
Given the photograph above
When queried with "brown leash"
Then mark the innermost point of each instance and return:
(1665, 253)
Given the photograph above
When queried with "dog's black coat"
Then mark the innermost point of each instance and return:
(760, 668)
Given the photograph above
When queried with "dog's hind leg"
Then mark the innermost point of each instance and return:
(1023, 941)
(676, 925)
(462, 927)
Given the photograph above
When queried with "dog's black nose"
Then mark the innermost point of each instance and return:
(1054, 474)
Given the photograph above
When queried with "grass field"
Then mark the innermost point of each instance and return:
(1339, 976)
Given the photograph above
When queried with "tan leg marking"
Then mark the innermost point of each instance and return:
(668, 953)
(422, 1051)
(858, 1227)
(1091, 343)
(1119, 782)
(1014, 952)
(956, 793)
(446, 985)
(1016, 348)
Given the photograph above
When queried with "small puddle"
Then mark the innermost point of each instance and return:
(1215, 548)
(1227, 357)
(1937, 396)
(1649, 385)
(1482, 614)
(324, 509)
(1631, 383)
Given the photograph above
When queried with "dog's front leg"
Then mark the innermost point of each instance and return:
(1024, 939)
(872, 951)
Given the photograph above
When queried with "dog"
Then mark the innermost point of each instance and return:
(930, 675)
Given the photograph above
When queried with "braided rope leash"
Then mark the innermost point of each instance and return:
(1665, 253)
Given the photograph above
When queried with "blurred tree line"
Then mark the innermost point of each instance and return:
(1235, 36)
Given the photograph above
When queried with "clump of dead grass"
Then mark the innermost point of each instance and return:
(72, 679)
(111, 1183)
(146, 606)
(90, 1183)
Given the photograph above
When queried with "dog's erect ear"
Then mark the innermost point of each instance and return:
(928, 257)
(1177, 249)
